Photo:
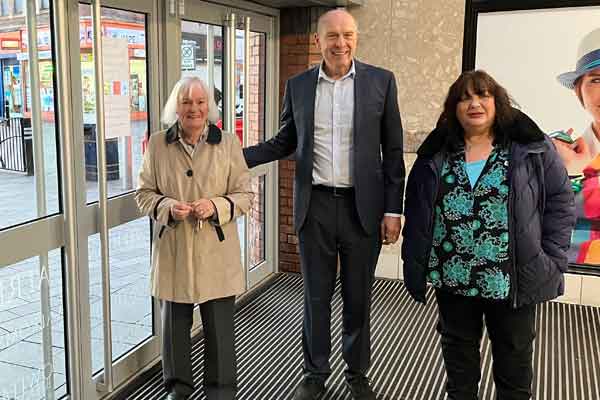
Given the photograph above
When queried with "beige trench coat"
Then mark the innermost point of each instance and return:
(192, 265)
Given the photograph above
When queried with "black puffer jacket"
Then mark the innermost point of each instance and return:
(540, 214)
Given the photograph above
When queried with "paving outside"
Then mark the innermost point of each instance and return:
(18, 202)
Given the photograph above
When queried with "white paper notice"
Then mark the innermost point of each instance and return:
(117, 118)
(115, 66)
(116, 59)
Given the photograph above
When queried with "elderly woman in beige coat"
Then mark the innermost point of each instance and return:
(194, 183)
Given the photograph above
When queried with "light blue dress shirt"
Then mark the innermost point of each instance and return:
(333, 141)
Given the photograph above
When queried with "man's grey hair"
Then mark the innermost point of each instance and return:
(183, 87)
(324, 16)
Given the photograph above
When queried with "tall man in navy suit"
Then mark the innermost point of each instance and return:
(341, 120)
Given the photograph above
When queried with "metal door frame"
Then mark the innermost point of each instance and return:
(86, 218)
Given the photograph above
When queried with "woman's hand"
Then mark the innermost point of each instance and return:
(181, 211)
(575, 156)
(203, 209)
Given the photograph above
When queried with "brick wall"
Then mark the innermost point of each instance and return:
(255, 88)
(297, 53)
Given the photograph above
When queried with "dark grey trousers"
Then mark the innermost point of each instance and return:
(219, 344)
(332, 228)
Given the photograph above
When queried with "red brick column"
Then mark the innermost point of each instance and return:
(297, 53)
(255, 88)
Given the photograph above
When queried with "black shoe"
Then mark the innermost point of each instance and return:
(309, 389)
(176, 396)
(360, 387)
(214, 392)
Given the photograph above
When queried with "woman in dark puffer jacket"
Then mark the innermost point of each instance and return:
(489, 214)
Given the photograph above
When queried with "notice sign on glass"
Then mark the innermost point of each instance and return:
(115, 66)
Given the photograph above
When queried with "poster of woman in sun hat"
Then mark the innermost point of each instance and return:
(581, 155)
(541, 41)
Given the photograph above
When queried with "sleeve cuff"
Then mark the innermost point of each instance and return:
(223, 208)
(392, 215)
(163, 214)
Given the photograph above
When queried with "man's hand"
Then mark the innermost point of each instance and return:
(203, 209)
(390, 229)
(180, 211)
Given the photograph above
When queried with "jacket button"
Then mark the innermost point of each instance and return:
(189, 172)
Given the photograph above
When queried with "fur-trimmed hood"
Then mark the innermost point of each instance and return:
(523, 130)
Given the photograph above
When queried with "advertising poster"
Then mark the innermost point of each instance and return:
(549, 61)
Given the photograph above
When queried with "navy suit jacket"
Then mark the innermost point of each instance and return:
(378, 162)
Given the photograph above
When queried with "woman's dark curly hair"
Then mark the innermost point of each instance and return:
(480, 82)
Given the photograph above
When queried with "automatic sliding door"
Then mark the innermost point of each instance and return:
(233, 51)
(112, 116)
(33, 343)
(125, 86)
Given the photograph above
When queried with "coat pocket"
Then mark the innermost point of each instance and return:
(536, 273)
(373, 108)
(158, 231)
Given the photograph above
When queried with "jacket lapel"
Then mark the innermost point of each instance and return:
(360, 93)
(307, 99)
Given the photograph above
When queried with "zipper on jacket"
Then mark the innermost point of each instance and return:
(511, 235)
(436, 174)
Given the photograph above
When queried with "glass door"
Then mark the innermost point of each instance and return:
(114, 71)
(234, 51)
(34, 313)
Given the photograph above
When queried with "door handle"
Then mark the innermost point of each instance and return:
(107, 380)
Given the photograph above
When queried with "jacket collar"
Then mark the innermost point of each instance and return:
(214, 134)
(349, 74)
(357, 68)
(523, 131)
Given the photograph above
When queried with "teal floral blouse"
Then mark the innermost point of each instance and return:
(469, 255)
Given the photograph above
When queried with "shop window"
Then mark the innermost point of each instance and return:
(13, 84)
(18, 7)
(44, 4)
(28, 200)
(4, 7)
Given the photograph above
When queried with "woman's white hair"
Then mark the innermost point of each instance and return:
(182, 87)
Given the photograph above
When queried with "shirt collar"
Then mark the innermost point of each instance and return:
(351, 73)
(201, 140)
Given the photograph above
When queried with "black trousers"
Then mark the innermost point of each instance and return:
(219, 344)
(511, 332)
(332, 229)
